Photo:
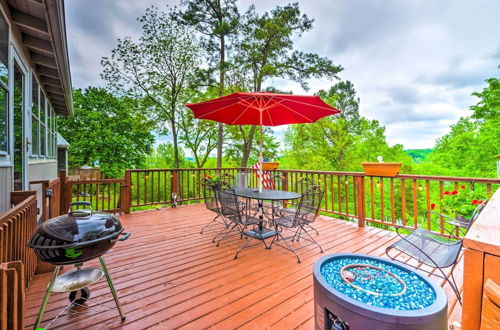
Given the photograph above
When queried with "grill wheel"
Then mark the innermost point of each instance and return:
(79, 297)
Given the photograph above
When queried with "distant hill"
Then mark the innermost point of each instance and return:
(418, 155)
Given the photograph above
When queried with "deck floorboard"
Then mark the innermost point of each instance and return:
(168, 276)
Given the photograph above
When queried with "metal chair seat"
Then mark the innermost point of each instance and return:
(421, 244)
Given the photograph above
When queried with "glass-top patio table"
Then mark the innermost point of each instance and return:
(265, 195)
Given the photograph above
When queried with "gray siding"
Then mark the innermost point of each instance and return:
(5, 188)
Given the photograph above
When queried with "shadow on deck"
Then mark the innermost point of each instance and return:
(169, 276)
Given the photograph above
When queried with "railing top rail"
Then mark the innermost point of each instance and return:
(188, 169)
(95, 181)
(341, 173)
(16, 209)
(449, 178)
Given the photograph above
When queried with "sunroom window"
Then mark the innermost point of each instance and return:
(4, 77)
(35, 122)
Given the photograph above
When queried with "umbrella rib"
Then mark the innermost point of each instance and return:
(309, 119)
(215, 101)
(270, 119)
(218, 109)
(327, 107)
(241, 114)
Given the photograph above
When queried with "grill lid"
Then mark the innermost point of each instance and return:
(82, 226)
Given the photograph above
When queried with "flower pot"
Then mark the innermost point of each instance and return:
(269, 166)
(382, 169)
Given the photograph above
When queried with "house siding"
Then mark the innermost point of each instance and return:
(5, 188)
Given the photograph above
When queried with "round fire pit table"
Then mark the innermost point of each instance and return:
(357, 291)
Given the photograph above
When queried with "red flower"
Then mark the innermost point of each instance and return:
(447, 192)
(433, 206)
(454, 192)
(462, 187)
(474, 202)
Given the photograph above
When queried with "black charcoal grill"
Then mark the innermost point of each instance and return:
(74, 238)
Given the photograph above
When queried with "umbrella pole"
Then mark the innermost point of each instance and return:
(260, 158)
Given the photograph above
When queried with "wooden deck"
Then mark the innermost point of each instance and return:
(169, 276)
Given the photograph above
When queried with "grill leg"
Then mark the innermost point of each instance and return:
(46, 298)
(110, 283)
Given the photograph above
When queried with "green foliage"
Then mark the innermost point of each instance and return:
(469, 149)
(266, 48)
(237, 140)
(418, 155)
(163, 157)
(340, 142)
(106, 130)
(162, 69)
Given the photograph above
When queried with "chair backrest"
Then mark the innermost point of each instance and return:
(476, 214)
(210, 197)
(309, 204)
(302, 185)
(228, 180)
(229, 205)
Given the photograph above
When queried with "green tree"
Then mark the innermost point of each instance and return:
(161, 68)
(217, 20)
(106, 130)
(266, 50)
(163, 157)
(469, 149)
(340, 142)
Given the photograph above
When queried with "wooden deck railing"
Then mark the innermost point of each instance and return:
(353, 196)
(16, 227)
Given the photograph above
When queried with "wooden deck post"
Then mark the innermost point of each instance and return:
(360, 190)
(126, 192)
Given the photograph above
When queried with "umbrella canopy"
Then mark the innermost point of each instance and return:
(264, 109)
(268, 109)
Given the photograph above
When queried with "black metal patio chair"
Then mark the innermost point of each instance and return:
(212, 204)
(302, 185)
(232, 210)
(432, 249)
(299, 218)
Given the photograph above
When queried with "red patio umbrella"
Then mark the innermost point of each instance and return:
(263, 109)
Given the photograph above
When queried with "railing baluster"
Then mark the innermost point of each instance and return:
(381, 187)
(428, 202)
(393, 211)
(415, 204)
(403, 202)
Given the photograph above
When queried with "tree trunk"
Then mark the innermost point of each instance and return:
(248, 147)
(176, 146)
(219, 144)
(221, 93)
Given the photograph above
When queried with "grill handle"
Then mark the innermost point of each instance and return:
(80, 203)
(125, 237)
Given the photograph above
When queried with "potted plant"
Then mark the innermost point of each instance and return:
(460, 203)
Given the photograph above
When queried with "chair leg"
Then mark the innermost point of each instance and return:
(211, 222)
(288, 247)
(296, 234)
(308, 225)
(227, 232)
(242, 247)
(312, 239)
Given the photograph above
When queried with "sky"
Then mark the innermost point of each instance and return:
(414, 63)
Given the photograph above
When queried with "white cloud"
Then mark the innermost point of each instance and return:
(413, 63)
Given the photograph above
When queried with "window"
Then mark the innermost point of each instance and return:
(35, 122)
(4, 91)
(43, 116)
